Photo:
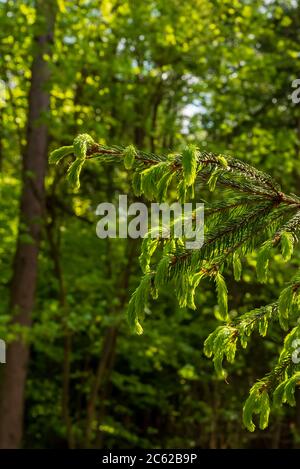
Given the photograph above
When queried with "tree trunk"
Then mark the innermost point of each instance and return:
(54, 245)
(23, 285)
(106, 360)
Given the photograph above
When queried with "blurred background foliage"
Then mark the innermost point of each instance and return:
(154, 73)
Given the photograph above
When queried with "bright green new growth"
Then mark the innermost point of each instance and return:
(287, 245)
(255, 216)
(149, 246)
(222, 296)
(264, 254)
(223, 161)
(221, 344)
(263, 258)
(129, 156)
(151, 178)
(213, 179)
(285, 392)
(281, 381)
(57, 155)
(74, 171)
(82, 143)
(137, 304)
(189, 164)
(237, 266)
(257, 403)
(288, 304)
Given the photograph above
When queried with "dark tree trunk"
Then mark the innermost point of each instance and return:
(106, 360)
(23, 284)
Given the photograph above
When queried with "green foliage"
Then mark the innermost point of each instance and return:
(162, 272)
(136, 184)
(233, 229)
(57, 155)
(81, 144)
(285, 392)
(120, 97)
(237, 266)
(281, 381)
(263, 258)
(74, 171)
(149, 245)
(213, 179)
(189, 160)
(80, 147)
(137, 304)
(223, 161)
(151, 177)
(257, 403)
(222, 296)
(284, 306)
(287, 244)
(163, 185)
(221, 344)
(289, 302)
(129, 156)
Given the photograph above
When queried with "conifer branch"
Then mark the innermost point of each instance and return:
(255, 215)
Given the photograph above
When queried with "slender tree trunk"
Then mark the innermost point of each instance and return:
(103, 365)
(23, 284)
(106, 360)
(54, 244)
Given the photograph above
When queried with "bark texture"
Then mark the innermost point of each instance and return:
(23, 285)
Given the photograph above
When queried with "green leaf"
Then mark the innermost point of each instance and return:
(223, 161)
(133, 319)
(73, 174)
(137, 304)
(163, 185)
(129, 154)
(257, 403)
(263, 258)
(222, 296)
(264, 410)
(57, 155)
(61, 6)
(81, 144)
(278, 394)
(189, 164)
(237, 266)
(136, 184)
(148, 248)
(287, 244)
(181, 191)
(284, 305)
(213, 179)
(289, 389)
(150, 178)
(162, 272)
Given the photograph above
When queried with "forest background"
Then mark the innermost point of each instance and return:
(156, 74)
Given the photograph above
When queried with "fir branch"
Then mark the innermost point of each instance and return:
(261, 217)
